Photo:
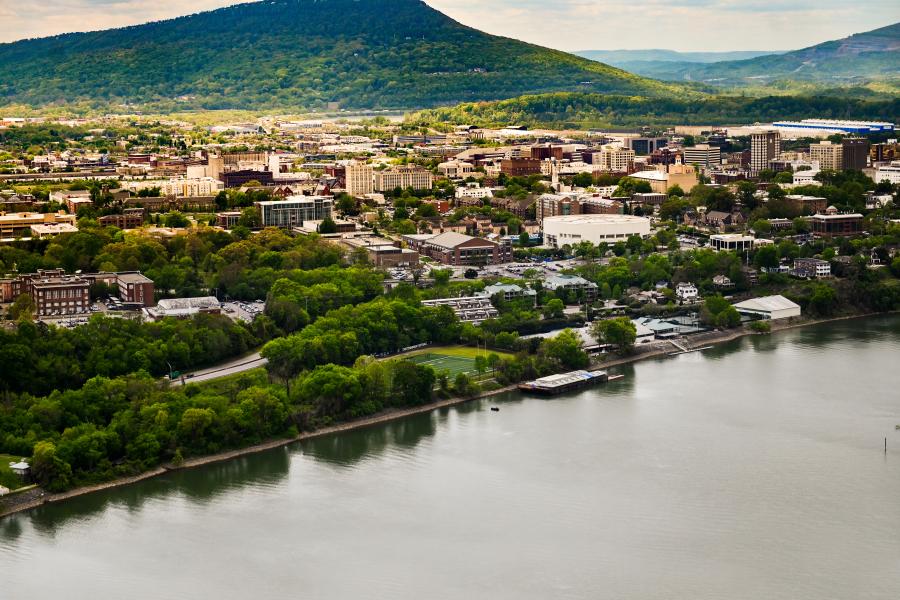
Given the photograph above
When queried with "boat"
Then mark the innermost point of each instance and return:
(495, 409)
(565, 382)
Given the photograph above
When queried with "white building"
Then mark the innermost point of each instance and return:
(455, 169)
(732, 242)
(473, 192)
(703, 155)
(687, 292)
(182, 187)
(807, 177)
(889, 173)
(596, 229)
(769, 307)
(616, 159)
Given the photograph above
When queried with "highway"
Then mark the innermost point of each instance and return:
(233, 367)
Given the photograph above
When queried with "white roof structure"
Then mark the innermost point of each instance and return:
(772, 307)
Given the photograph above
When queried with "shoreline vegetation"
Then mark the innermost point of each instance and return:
(30, 498)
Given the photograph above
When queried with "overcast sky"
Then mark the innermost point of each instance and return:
(694, 25)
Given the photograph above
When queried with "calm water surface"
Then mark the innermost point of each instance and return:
(753, 470)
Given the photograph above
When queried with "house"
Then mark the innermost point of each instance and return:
(721, 282)
(811, 268)
(22, 468)
(769, 307)
(644, 334)
(687, 292)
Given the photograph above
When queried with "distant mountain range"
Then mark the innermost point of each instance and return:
(298, 54)
(860, 58)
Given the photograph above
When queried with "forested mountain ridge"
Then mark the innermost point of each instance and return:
(298, 54)
(859, 58)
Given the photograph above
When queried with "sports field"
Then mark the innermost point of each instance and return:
(454, 360)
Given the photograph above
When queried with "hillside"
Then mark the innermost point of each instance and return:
(860, 58)
(580, 110)
(663, 64)
(297, 54)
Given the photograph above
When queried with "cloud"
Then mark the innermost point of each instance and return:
(563, 24)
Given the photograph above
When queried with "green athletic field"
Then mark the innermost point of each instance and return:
(443, 362)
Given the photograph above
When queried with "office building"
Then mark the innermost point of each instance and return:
(855, 153)
(829, 156)
(135, 288)
(554, 205)
(359, 178)
(614, 159)
(731, 242)
(294, 210)
(836, 224)
(30, 224)
(890, 173)
(60, 296)
(764, 147)
(646, 145)
(703, 156)
(520, 167)
(459, 249)
(404, 176)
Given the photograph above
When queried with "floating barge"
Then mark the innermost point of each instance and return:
(565, 382)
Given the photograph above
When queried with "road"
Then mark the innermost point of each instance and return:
(233, 367)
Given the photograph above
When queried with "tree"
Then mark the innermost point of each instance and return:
(524, 239)
(48, 469)
(554, 309)
(766, 257)
(565, 349)
(718, 312)
(327, 226)
(177, 220)
(22, 309)
(620, 332)
(441, 276)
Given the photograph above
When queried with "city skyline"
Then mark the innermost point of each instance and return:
(571, 25)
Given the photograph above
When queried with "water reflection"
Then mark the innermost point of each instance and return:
(348, 448)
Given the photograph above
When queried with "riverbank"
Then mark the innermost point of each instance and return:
(11, 504)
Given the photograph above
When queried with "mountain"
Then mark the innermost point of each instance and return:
(860, 58)
(297, 54)
(661, 64)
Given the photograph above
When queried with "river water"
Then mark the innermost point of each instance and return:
(755, 470)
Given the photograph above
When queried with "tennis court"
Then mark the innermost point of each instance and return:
(444, 362)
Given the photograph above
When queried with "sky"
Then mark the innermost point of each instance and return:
(686, 25)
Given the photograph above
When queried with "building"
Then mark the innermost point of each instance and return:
(855, 153)
(182, 187)
(459, 249)
(829, 156)
(858, 127)
(520, 167)
(764, 147)
(807, 205)
(646, 145)
(472, 310)
(807, 177)
(731, 242)
(687, 292)
(383, 253)
(360, 179)
(14, 225)
(131, 218)
(769, 307)
(836, 224)
(473, 192)
(404, 176)
(703, 156)
(228, 220)
(811, 268)
(135, 288)
(556, 205)
(235, 179)
(183, 308)
(510, 292)
(666, 176)
(456, 169)
(59, 296)
(615, 159)
(294, 210)
(596, 229)
(889, 173)
(571, 284)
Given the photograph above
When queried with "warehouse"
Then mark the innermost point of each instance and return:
(596, 229)
(769, 307)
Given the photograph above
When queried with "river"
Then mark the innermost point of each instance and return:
(752, 470)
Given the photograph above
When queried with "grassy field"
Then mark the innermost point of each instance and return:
(7, 477)
(453, 359)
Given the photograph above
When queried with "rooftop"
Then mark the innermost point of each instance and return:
(596, 219)
(767, 303)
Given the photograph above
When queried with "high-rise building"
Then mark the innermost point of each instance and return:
(616, 160)
(829, 156)
(764, 147)
(855, 153)
(360, 179)
(703, 155)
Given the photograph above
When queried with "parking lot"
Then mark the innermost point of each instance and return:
(244, 311)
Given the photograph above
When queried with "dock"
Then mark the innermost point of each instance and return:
(565, 382)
